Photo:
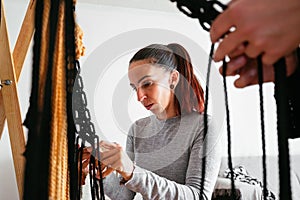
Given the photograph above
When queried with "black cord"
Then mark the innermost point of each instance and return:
(70, 79)
(102, 195)
(233, 194)
(282, 129)
(37, 157)
(206, 120)
(263, 139)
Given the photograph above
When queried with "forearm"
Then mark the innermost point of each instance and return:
(152, 186)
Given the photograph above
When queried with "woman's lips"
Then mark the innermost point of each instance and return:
(148, 107)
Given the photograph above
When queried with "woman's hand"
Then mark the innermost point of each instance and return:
(115, 158)
(86, 157)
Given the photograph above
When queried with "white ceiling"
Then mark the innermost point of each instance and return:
(160, 5)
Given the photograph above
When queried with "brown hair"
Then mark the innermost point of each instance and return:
(189, 93)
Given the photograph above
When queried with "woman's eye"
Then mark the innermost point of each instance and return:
(146, 84)
(134, 89)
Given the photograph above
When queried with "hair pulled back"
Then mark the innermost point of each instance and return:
(189, 95)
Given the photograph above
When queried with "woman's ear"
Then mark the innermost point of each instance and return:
(174, 78)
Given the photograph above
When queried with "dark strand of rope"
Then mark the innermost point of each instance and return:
(263, 139)
(79, 156)
(91, 170)
(86, 130)
(33, 153)
(102, 195)
(282, 129)
(70, 77)
(233, 194)
(206, 120)
(95, 185)
(95, 180)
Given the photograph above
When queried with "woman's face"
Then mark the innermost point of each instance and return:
(152, 86)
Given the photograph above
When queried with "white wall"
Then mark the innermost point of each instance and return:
(111, 35)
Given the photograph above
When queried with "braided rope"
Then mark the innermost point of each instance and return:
(58, 177)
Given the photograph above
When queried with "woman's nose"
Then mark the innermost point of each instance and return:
(140, 94)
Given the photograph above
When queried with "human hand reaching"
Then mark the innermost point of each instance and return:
(269, 28)
(246, 68)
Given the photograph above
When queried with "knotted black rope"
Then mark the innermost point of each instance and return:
(86, 133)
(71, 75)
(204, 11)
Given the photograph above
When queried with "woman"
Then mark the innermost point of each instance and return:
(163, 158)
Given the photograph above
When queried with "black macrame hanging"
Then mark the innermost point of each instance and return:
(86, 134)
(206, 12)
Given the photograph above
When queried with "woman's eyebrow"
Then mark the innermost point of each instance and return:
(141, 79)
(146, 76)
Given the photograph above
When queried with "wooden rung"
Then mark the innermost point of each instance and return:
(11, 104)
(20, 51)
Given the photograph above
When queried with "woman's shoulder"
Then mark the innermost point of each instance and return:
(195, 119)
(195, 115)
(143, 121)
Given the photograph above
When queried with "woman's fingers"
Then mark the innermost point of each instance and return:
(105, 145)
(109, 157)
(105, 172)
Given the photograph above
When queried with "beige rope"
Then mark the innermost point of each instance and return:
(80, 49)
(58, 174)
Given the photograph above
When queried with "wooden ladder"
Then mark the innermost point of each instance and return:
(10, 68)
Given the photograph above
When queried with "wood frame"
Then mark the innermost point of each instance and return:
(10, 69)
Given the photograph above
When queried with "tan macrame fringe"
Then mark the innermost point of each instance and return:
(80, 49)
(58, 174)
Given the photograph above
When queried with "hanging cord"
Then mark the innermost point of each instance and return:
(84, 127)
(206, 11)
(86, 132)
(78, 157)
(261, 100)
(36, 169)
(233, 194)
(282, 129)
(206, 120)
(70, 79)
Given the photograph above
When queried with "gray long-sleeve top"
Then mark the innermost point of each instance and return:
(168, 156)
